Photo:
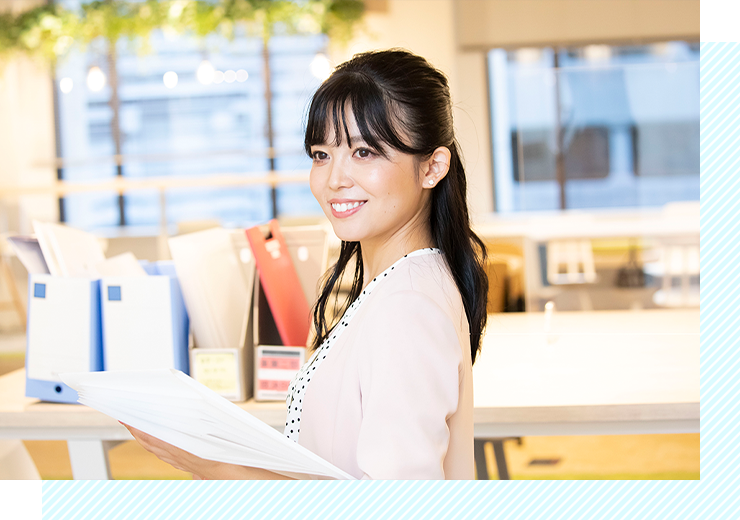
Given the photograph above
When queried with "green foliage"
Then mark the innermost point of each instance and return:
(50, 31)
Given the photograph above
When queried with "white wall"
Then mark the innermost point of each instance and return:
(517, 23)
(27, 144)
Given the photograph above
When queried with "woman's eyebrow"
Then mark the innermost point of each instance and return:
(356, 139)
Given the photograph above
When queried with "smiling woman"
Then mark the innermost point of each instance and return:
(387, 392)
(384, 192)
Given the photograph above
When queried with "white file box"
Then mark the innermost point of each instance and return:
(145, 324)
(63, 334)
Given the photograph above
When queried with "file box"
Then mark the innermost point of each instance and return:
(63, 334)
(145, 324)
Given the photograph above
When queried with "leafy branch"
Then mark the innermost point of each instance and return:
(50, 31)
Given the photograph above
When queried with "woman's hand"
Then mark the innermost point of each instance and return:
(201, 469)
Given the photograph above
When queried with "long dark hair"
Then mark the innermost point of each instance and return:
(391, 94)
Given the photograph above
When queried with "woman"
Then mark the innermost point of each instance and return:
(393, 396)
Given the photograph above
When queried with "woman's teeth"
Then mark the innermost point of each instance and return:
(341, 208)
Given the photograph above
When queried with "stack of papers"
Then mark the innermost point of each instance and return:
(67, 251)
(175, 408)
(28, 251)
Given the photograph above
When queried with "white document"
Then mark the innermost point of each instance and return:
(216, 281)
(175, 408)
(29, 252)
(44, 238)
(69, 252)
(124, 264)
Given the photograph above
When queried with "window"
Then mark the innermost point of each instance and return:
(189, 108)
(595, 126)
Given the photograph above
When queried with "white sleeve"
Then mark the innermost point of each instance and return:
(409, 380)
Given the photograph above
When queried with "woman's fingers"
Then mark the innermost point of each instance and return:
(166, 452)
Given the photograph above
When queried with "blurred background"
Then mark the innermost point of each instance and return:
(578, 121)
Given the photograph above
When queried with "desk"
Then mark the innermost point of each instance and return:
(594, 373)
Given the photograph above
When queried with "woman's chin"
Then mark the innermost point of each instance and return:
(348, 237)
(344, 234)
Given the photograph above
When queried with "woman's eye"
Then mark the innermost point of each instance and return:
(364, 152)
(320, 156)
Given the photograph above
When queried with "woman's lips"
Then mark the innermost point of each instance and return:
(346, 209)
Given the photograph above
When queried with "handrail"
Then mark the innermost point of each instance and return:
(121, 185)
(123, 159)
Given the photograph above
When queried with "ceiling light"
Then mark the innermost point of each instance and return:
(170, 79)
(96, 79)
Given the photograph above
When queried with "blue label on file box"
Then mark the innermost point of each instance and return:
(114, 293)
(39, 290)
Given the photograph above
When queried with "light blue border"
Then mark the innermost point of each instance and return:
(714, 496)
(720, 252)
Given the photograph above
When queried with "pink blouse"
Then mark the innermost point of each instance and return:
(393, 396)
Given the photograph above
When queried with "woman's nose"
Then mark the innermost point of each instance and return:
(339, 176)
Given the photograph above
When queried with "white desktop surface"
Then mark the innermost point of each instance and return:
(602, 372)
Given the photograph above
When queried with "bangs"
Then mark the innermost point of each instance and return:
(372, 110)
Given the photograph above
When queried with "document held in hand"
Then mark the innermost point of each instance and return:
(177, 409)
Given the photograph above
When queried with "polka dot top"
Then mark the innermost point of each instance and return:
(300, 382)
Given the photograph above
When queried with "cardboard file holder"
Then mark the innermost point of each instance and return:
(227, 371)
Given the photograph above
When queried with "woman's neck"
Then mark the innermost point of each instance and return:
(379, 255)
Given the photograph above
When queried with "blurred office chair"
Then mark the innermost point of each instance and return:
(505, 266)
(566, 265)
(676, 260)
(576, 256)
(498, 456)
(577, 259)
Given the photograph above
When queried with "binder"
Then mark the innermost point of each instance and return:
(63, 334)
(145, 324)
(281, 284)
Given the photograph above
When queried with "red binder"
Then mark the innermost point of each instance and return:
(281, 285)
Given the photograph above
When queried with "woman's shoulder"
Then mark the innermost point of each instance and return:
(423, 277)
(419, 306)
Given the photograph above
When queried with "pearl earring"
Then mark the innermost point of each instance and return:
(431, 182)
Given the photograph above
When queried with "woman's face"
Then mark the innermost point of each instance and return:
(367, 197)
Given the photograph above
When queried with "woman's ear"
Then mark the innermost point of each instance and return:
(437, 167)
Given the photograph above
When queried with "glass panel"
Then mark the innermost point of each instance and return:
(191, 108)
(623, 121)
